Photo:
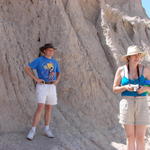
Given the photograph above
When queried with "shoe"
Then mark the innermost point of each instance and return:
(49, 133)
(31, 135)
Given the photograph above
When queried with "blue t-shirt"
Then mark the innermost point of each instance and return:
(46, 68)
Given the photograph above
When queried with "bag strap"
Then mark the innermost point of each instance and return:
(126, 71)
(142, 70)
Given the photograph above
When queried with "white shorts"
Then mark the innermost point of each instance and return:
(46, 94)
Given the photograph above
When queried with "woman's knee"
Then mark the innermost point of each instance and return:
(130, 137)
(140, 133)
(139, 137)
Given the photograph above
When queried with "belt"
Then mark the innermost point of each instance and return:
(47, 82)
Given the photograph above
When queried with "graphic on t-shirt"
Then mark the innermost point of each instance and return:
(50, 68)
(46, 68)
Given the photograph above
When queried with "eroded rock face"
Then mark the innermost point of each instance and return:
(90, 36)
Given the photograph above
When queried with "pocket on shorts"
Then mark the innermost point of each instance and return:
(39, 88)
(54, 88)
(54, 85)
(144, 106)
(123, 106)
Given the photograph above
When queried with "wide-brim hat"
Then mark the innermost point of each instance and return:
(133, 50)
(48, 45)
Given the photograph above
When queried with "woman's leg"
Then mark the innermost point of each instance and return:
(140, 134)
(130, 134)
(47, 115)
(37, 115)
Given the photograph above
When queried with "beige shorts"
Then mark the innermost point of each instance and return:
(134, 111)
(46, 94)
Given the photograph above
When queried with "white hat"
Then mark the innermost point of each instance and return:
(133, 50)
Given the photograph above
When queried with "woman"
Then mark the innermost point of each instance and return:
(48, 77)
(134, 112)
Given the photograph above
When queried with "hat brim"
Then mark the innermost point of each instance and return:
(42, 50)
(124, 58)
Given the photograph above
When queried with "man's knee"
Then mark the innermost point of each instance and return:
(48, 108)
(40, 108)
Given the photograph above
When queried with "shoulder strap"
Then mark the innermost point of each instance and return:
(141, 73)
(142, 70)
(125, 71)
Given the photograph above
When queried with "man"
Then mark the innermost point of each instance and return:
(48, 71)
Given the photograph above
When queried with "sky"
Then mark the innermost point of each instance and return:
(146, 5)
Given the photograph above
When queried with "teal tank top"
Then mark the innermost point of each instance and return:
(139, 81)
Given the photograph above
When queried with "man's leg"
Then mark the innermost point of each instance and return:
(36, 119)
(37, 115)
(47, 115)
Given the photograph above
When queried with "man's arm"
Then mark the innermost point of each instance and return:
(29, 71)
(58, 78)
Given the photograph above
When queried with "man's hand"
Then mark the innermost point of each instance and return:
(39, 80)
(58, 79)
(55, 82)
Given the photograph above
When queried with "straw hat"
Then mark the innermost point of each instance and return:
(133, 50)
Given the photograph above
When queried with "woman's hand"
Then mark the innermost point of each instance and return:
(142, 89)
(128, 88)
